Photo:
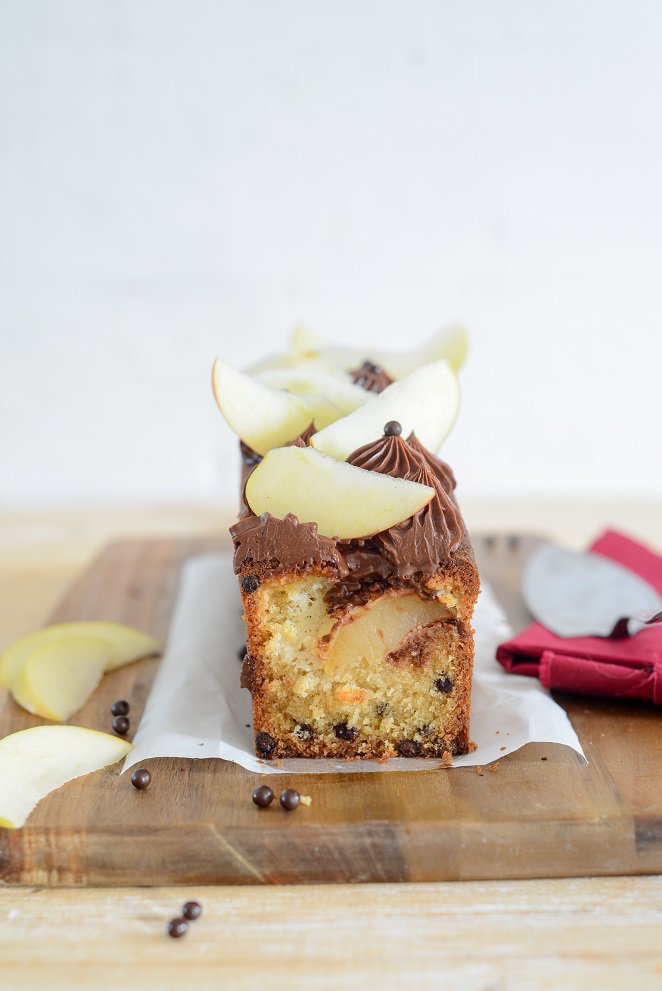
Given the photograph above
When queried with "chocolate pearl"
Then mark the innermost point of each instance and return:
(141, 778)
(289, 799)
(121, 725)
(192, 911)
(265, 743)
(250, 583)
(444, 685)
(408, 748)
(345, 732)
(177, 928)
(392, 429)
(263, 796)
(120, 708)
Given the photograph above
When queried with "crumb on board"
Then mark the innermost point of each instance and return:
(493, 767)
(306, 800)
(479, 770)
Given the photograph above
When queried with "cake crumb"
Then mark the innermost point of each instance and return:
(472, 746)
(306, 800)
(493, 767)
(447, 759)
(479, 770)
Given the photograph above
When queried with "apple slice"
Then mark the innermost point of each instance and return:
(264, 417)
(343, 500)
(449, 344)
(59, 677)
(308, 382)
(36, 761)
(427, 402)
(126, 644)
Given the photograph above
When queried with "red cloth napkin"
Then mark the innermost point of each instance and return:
(628, 668)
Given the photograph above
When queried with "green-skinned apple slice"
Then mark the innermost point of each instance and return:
(426, 402)
(308, 382)
(264, 417)
(343, 500)
(127, 644)
(59, 677)
(449, 345)
(36, 761)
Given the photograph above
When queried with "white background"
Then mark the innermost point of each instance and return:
(184, 179)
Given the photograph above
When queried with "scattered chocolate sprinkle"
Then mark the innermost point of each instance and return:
(250, 583)
(444, 685)
(265, 743)
(141, 778)
(192, 911)
(543, 758)
(345, 732)
(392, 429)
(177, 928)
(513, 540)
(304, 731)
(289, 799)
(120, 708)
(409, 748)
(263, 796)
(502, 748)
(121, 725)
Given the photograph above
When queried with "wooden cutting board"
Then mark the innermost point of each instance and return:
(541, 812)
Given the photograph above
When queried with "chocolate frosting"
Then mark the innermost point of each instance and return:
(414, 548)
(421, 543)
(371, 377)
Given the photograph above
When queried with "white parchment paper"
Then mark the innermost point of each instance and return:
(196, 707)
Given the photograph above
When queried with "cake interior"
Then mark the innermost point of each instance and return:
(386, 676)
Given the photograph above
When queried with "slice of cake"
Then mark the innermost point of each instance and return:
(358, 582)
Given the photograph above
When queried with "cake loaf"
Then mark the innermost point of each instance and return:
(356, 646)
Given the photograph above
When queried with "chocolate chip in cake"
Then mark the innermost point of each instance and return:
(192, 911)
(121, 725)
(250, 583)
(141, 778)
(265, 743)
(263, 796)
(304, 731)
(426, 730)
(409, 748)
(382, 708)
(392, 428)
(444, 685)
(345, 732)
(289, 799)
(120, 708)
(177, 928)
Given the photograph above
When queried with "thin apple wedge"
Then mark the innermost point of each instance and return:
(449, 344)
(127, 644)
(36, 761)
(343, 500)
(312, 382)
(59, 677)
(426, 402)
(264, 417)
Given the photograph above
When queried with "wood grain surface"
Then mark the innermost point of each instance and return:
(197, 825)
